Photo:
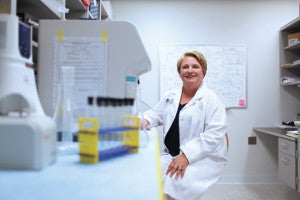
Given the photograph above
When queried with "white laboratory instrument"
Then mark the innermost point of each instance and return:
(108, 56)
(27, 135)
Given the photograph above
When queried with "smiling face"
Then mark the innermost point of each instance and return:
(191, 72)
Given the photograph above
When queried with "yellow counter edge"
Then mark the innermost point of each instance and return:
(159, 175)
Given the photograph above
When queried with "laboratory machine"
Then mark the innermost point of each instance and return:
(27, 135)
(108, 57)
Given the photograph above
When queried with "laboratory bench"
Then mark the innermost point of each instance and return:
(288, 151)
(131, 176)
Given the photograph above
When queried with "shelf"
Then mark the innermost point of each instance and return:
(104, 14)
(42, 9)
(290, 65)
(293, 47)
(106, 11)
(76, 14)
(289, 80)
(75, 5)
(77, 9)
(291, 84)
(294, 24)
(290, 56)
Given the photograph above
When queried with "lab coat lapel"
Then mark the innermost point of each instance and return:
(199, 94)
(175, 102)
(177, 96)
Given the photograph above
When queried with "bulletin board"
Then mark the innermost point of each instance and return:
(226, 70)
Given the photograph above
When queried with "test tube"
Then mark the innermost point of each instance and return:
(108, 112)
(100, 110)
(120, 112)
(114, 113)
(89, 106)
(103, 118)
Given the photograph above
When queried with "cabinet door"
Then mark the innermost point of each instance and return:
(287, 169)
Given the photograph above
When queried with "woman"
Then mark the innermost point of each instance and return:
(194, 127)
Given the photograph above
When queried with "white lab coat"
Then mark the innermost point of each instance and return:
(202, 128)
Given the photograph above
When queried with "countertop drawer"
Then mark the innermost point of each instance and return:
(287, 146)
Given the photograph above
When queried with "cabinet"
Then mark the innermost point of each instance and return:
(290, 71)
(288, 151)
(287, 162)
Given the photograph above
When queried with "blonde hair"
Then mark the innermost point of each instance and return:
(199, 57)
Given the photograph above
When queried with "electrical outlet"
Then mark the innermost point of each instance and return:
(252, 140)
(6, 6)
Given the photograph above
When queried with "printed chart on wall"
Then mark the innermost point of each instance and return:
(226, 70)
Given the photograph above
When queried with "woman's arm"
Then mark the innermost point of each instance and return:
(210, 135)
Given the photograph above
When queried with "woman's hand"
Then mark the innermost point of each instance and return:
(178, 166)
(146, 124)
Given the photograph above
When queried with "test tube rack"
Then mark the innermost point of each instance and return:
(101, 144)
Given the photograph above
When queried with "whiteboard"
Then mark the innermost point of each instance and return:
(226, 70)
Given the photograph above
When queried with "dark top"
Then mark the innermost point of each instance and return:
(172, 137)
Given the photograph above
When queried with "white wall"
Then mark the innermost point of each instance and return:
(254, 23)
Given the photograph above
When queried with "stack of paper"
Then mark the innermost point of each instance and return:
(292, 133)
(297, 123)
(286, 80)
